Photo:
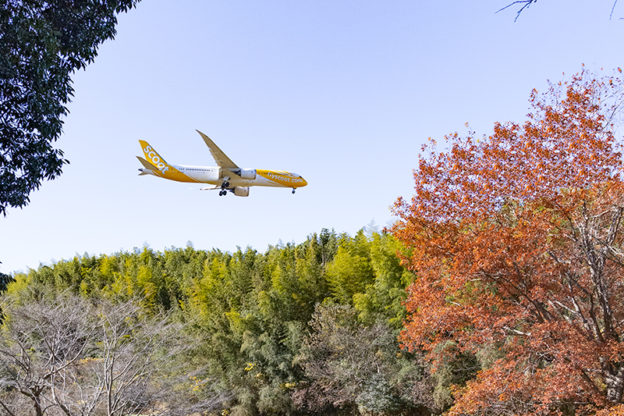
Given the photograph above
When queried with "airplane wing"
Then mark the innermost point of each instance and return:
(218, 155)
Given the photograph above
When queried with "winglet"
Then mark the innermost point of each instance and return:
(217, 154)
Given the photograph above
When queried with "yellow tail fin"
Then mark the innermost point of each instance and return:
(153, 157)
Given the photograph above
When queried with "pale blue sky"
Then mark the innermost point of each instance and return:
(343, 92)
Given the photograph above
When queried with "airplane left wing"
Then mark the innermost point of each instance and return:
(218, 155)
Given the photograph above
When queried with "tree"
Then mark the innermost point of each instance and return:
(5, 279)
(517, 241)
(350, 271)
(358, 368)
(42, 44)
(69, 356)
(39, 345)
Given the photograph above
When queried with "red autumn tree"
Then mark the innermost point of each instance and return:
(517, 241)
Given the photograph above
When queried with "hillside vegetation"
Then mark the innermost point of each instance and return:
(306, 328)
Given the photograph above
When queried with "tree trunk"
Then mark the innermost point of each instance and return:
(615, 384)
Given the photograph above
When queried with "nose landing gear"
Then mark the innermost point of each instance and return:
(293, 191)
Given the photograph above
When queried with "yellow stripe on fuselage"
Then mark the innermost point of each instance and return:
(163, 169)
(282, 178)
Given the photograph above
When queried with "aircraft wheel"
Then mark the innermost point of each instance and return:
(293, 191)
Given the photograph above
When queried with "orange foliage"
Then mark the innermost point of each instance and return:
(613, 411)
(517, 243)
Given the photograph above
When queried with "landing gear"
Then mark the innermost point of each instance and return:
(224, 186)
(226, 183)
(294, 190)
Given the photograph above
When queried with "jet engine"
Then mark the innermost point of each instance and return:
(247, 174)
(241, 190)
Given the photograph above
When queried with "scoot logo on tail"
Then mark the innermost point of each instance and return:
(155, 159)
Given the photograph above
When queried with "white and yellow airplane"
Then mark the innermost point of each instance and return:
(226, 176)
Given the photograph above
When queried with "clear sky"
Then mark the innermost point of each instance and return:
(343, 92)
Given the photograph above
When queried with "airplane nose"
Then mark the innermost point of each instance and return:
(304, 181)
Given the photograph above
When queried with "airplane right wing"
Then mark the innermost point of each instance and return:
(218, 155)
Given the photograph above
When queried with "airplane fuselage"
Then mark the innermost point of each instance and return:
(215, 175)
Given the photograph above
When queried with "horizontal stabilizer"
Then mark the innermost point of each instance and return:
(146, 164)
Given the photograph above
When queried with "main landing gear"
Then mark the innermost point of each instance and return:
(224, 187)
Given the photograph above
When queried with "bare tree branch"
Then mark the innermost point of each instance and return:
(525, 4)
(612, 9)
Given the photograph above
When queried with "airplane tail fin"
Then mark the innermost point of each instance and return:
(154, 160)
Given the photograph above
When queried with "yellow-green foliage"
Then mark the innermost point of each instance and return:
(250, 310)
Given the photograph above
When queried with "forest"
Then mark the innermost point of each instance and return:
(498, 291)
(300, 329)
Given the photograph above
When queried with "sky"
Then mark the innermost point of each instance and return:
(343, 92)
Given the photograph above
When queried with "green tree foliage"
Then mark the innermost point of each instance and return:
(249, 313)
(5, 279)
(41, 44)
(350, 271)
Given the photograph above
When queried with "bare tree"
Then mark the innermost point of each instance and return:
(72, 357)
(40, 343)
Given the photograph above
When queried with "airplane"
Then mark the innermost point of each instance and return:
(226, 176)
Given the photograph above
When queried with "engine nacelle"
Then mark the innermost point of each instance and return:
(241, 190)
(247, 174)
